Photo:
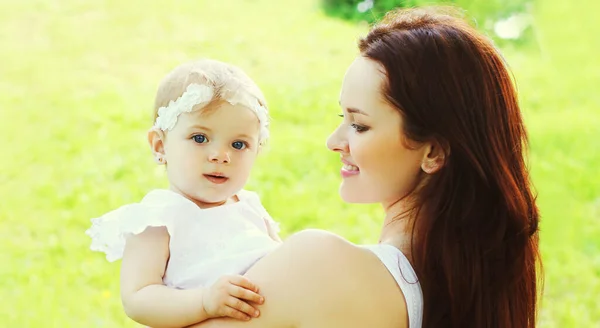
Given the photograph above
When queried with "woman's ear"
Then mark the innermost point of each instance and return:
(435, 157)
(156, 141)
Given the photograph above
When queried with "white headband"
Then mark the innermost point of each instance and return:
(196, 94)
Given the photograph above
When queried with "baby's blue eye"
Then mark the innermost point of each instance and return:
(238, 145)
(199, 138)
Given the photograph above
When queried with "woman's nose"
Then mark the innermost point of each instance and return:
(337, 141)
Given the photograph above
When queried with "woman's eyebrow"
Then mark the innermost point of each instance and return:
(356, 111)
(352, 110)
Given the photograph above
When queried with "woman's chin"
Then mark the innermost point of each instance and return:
(353, 196)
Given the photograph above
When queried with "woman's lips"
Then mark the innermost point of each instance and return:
(349, 170)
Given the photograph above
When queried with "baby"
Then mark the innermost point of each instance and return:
(184, 249)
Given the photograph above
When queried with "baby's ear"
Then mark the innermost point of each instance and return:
(156, 141)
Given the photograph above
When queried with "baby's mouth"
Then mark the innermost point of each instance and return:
(216, 177)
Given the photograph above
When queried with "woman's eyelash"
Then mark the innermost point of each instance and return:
(359, 128)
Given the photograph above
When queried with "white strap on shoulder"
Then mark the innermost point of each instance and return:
(406, 278)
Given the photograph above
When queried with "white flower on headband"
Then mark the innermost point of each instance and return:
(193, 95)
(263, 119)
(196, 94)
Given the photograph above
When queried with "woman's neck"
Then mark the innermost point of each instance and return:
(398, 225)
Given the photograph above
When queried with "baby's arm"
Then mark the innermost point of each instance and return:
(149, 302)
(145, 298)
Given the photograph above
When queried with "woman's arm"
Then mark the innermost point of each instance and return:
(145, 298)
(316, 279)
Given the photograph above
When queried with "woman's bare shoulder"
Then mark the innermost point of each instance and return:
(318, 279)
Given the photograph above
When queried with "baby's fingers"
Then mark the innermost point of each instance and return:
(245, 294)
(244, 282)
(233, 313)
(241, 306)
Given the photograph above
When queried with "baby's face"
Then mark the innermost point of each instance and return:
(210, 153)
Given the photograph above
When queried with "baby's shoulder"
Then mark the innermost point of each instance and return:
(251, 198)
(247, 195)
(166, 198)
(159, 208)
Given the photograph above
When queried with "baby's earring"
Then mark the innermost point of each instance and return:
(160, 160)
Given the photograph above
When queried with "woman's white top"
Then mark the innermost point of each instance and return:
(406, 278)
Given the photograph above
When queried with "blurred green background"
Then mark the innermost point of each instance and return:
(77, 82)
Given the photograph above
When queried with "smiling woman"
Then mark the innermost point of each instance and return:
(370, 129)
(93, 100)
(433, 132)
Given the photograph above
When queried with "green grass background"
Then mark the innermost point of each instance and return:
(77, 81)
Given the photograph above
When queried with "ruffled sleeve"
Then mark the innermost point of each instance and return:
(110, 231)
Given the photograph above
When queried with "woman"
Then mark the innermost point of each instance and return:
(431, 130)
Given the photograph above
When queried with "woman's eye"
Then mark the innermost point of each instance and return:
(238, 145)
(199, 138)
(359, 128)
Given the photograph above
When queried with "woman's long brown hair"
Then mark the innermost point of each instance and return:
(475, 246)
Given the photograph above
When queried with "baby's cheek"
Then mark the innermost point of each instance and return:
(245, 167)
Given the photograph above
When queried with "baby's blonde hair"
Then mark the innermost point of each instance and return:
(228, 82)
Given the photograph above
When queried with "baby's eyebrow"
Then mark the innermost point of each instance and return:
(245, 136)
(201, 127)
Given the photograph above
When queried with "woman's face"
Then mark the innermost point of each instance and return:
(377, 167)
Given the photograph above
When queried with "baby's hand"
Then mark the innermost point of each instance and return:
(227, 298)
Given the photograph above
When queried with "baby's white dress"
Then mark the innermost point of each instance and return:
(204, 243)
